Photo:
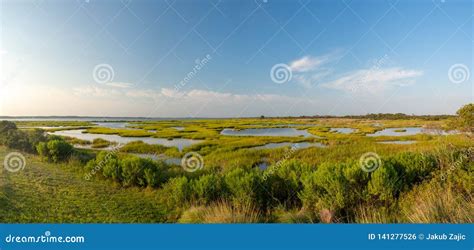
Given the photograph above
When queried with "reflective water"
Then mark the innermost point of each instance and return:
(42, 127)
(263, 165)
(343, 130)
(113, 124)
(266, 132)
(411, 131)
(298, 145)
(179, 143)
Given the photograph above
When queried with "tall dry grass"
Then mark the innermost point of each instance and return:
(221, 212)
(436, 203)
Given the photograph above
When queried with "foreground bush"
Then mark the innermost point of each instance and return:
(55, 150)
(334, 187)
(246, 187)
(25, 141)
(128, 170)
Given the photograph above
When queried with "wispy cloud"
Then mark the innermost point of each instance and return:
(309, 70)
(307, 63)
(122, 85)
(94, 91)
(373, 80)
(194, 102)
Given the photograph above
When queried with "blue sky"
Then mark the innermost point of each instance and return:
(206, 58)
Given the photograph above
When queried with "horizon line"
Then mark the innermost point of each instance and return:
(243, 117)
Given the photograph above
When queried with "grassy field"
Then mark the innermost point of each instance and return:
(424, 182)
(49, 193)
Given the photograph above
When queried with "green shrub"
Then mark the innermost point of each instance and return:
(208, 188)
(36, 136)
(153, 172)
(331, 186)
(128, 170)
(6, 126)
(334, 187)
(42, 149)
(284, 181)
(245, 187)
(177, 192)
(416, 167)
(465, 118)
(25, 141)
(385, 182)
(17, 139)
(111, 165)
(54, 150)
(132, 171)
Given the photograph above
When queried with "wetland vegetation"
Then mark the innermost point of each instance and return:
(314, 170)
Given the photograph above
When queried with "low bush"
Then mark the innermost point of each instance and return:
(246, 187)
(55, 150)
(129, 170)
(25, 141)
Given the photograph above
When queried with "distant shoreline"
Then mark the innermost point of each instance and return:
(113, 118)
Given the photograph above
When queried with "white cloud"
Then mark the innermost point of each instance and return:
(163, 102)
(309, 69)
(94, 101)
(123, 85)
(308, 80)
(306, 63)
(94, 91)
(373, 80)
(172, 93)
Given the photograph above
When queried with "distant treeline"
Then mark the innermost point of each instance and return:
(380, 116)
